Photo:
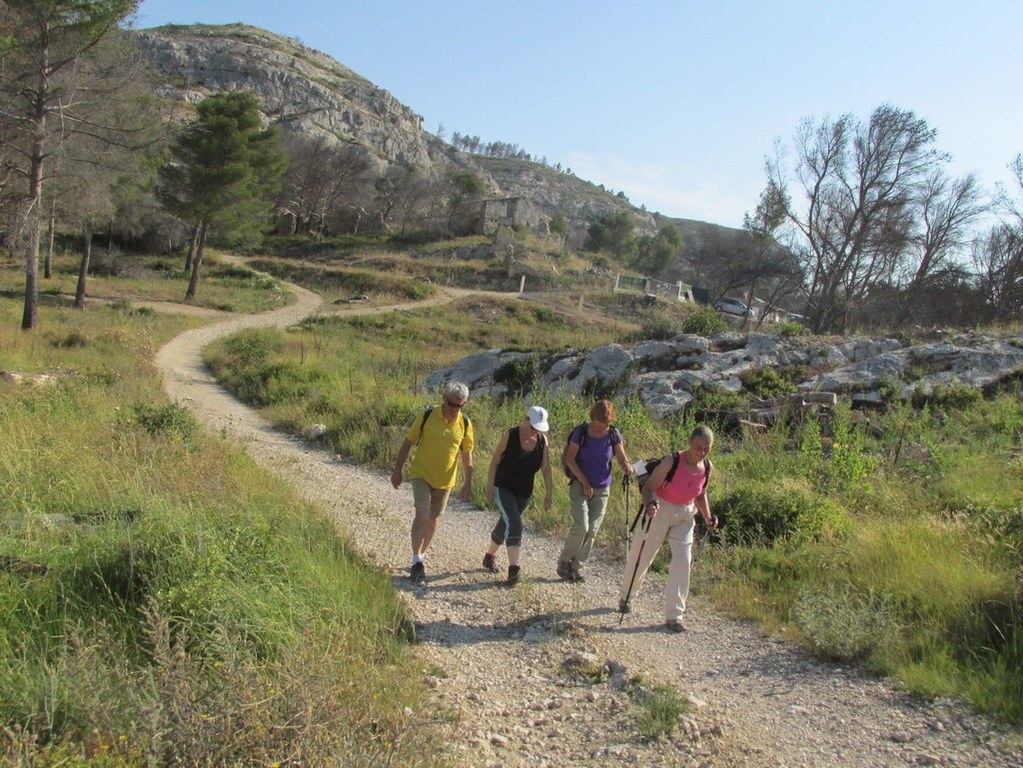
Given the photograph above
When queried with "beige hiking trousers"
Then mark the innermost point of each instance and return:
(675, 523)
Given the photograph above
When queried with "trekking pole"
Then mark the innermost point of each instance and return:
(639, 556)
(628, 511)
(703, 542)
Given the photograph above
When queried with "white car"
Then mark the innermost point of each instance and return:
(733, 307)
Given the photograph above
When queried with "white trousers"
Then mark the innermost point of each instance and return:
(675, 523)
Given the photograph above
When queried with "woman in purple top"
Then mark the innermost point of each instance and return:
(591, 448)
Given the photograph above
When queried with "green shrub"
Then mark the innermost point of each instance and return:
(253, 347)
(711, 398)
(767, 511)
(948, 397)
(705, 322)
(289, 383)
(764, 383)
(519, 375)
(917, 367)
(169, 419)
(74, 339)
(790, 329)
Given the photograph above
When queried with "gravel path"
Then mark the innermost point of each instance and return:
(505, 661)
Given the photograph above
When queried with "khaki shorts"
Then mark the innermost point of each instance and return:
(426, 498)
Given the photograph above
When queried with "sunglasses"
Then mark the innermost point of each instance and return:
(456, 406)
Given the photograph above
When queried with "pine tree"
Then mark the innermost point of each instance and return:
(223, 168)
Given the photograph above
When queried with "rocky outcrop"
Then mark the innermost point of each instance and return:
(301, 89)
(665, 374)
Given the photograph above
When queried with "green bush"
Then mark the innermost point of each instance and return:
(948, 397)
(705, 322)
(790, 329)
(252, 347)
(290, 383)
(660, 708)
(767, 511)
(519, 375)
(169, 419)
(765, 383)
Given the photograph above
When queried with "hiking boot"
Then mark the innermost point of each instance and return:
(565, 569)
(624, 607)
(417, 573)
(675, 625)
(490, 563)
(513, 575)
(575, 574)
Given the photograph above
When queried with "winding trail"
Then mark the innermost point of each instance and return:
(496, 657)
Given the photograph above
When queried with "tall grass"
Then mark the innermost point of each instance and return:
(150, 618)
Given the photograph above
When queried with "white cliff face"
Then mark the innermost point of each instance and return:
(301, 89)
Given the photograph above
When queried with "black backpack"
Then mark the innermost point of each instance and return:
(426, 415)
(583, 429)
(652, 464)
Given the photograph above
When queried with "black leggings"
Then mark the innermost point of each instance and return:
(508, 530)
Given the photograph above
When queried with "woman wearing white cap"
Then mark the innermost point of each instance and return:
(521, 453)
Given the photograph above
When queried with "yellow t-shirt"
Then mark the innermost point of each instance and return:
(436, 459)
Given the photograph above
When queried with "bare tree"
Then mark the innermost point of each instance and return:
(321, 176)
(857, 204)
(937, 251)
(402, 197)
(999, 258)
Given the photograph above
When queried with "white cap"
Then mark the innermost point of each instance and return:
(538, 418)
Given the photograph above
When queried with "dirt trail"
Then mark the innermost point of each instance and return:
(498, 656)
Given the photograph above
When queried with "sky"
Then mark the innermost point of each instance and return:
(676, 103)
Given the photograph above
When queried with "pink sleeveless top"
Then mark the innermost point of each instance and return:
(684, 487)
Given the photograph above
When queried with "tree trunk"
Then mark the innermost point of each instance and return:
(192, 242)
(83, 269)
(193, 282)
(30, 317)
(48, 262)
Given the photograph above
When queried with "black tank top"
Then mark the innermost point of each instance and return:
(516, 470)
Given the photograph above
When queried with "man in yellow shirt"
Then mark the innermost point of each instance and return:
(442, 434)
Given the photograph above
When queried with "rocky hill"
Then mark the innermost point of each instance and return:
(306, 91)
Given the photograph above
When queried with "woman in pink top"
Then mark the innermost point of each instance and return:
(671, 506)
